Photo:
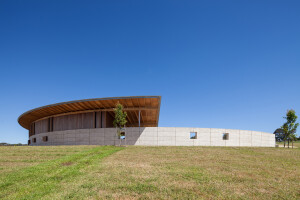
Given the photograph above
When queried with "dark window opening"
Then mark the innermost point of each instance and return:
(122, 135)
(95, 120)
(193, 135)
(28, 142)
(45, 138)
(49, 124)
(225, 136)
(34, 140)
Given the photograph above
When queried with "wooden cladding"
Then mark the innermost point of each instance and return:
(147, 106)
(76, 121)
(71, 122)
(41, 126)
(31, 130)
(109, 119)
(98, 120)
(88, 120)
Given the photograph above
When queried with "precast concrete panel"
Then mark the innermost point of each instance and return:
(157, 136)
(233, 139)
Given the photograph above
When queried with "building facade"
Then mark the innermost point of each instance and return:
(90, 122)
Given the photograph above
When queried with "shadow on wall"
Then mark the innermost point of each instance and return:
(156, 136)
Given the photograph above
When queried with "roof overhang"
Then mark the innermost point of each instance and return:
(149, 107)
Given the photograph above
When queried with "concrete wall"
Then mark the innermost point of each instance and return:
(157, 136)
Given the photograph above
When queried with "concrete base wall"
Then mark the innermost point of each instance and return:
(157, 136)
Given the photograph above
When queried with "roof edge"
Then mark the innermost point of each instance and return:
(85, 100)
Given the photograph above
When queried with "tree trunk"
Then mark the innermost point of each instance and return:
(119, 136)
(118, 130)
(284, 142)
(292, 144)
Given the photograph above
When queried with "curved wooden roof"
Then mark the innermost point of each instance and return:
(148, 105)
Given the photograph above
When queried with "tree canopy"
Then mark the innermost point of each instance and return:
(120, 116)
(279, 135)
(290, 126)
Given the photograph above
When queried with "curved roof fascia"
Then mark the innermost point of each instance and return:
(30, 113)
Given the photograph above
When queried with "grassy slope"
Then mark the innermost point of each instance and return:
(296, 144)
(50, 178)
(16, 157)
(159, 173)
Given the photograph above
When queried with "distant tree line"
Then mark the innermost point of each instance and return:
(7, 144)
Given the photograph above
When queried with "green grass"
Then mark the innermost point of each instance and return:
(50, 177)
(296, 144)
(90, 172)
(17, 157)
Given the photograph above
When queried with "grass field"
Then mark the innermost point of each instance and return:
(94, 172)
(296, 144)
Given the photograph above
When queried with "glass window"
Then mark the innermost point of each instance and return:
(193, 135)
(122, 136)
(225, 136)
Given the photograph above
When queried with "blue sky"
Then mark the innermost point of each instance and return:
(217, 64)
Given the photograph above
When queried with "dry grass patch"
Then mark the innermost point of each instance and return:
(201, 172)
(161, 173)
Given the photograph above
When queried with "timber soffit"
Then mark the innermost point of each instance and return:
(58, 108)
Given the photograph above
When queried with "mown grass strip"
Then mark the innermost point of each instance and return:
(40, 180)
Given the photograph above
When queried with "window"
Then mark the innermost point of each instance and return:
(122, 136)
(193, 135)
(225, 136)
(50, 124)
(45, 138)
(34, 140)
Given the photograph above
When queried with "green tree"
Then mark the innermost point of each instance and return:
(279, 135)
(120, 119)
(290, 127)
(293, 138)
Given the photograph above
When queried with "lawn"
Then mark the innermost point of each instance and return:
(17, 157)
(296, 144)
(94, 172)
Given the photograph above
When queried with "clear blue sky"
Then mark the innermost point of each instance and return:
(217, 64)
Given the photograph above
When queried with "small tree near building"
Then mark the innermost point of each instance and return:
(279, 135)
(290, 127)
(293, 138)
(120, 119)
